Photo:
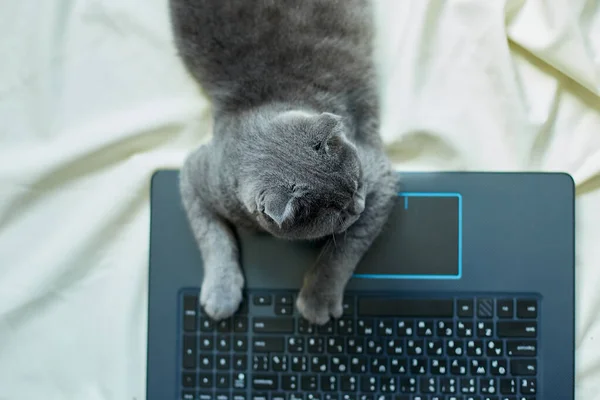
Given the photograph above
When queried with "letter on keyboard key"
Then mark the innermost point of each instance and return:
(517, 329)
(405, 307)
(273, 325)
(268, 344)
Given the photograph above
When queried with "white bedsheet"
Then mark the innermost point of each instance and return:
(93, 100)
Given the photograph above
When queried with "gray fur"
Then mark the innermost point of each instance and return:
(296, 150)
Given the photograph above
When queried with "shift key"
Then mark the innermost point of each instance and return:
(517, 329)
(273, 325)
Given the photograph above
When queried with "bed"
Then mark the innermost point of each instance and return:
(93, 100)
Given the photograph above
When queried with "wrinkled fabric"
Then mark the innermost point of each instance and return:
(93, 100)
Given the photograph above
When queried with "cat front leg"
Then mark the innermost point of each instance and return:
(322, 293)
(221, 291)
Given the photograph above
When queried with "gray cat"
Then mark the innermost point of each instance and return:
(295, 150)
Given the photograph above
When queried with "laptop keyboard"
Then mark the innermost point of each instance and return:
(382, 348)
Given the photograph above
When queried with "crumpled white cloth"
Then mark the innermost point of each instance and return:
(93, 100)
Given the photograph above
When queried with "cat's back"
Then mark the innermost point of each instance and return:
(245, 52)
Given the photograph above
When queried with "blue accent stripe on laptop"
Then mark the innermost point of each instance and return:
(406, 195)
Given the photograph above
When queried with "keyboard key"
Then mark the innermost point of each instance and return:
(189, 313)
(222, 381)
(315, 345)
(260, 396)
(273, 325)
(505, 308)
(289, 383)
(319, 364)
(521, 348)
(485, 329)
(326, 329)
(240, 324)
(349, 383)
(445, 329)
(391, 307)
(262, 300)
(385, 328)
(498, 367)
(239, 381)
(448, 385)
(207, 343)
(465, 308)
(260, 363)
(329, 383)
(283, 309)
(339, 364)
(464, 329)
(425, 328)
(359, 365)
(207, 362)
(485, 308)
(189, 352)
(295, 345)
(508, 386)
(224, 326)
(526, 309)
(468, 385)
(240, 344)
(205, 396)
(188, 379)
(205, 380)
(517, 329)
(405, 328)
(284, 299)
(309, 382)
(240, 362)
(223, 343)
(348, 305)
(345, 327)
(265, 382)
(495, 348)
(365, 327)
(368, 384)
(299, 363)
(266, 344)
(187, 395)
(223, 362)
(206, 325)
(525, 367)
(528, 385)
(395, 347)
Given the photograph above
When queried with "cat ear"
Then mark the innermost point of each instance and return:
(279, 207)
(327, 121)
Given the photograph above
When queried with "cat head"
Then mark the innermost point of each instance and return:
(303, 177)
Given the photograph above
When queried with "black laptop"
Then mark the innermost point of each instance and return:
(467, 295)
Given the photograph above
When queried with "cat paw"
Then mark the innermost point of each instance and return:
(318, 307)
(221, 295)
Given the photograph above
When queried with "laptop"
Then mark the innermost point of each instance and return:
(468, 294)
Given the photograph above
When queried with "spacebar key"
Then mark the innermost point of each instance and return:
(273, 325)
(391, 307)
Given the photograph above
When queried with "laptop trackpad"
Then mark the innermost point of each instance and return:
(421, 241)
